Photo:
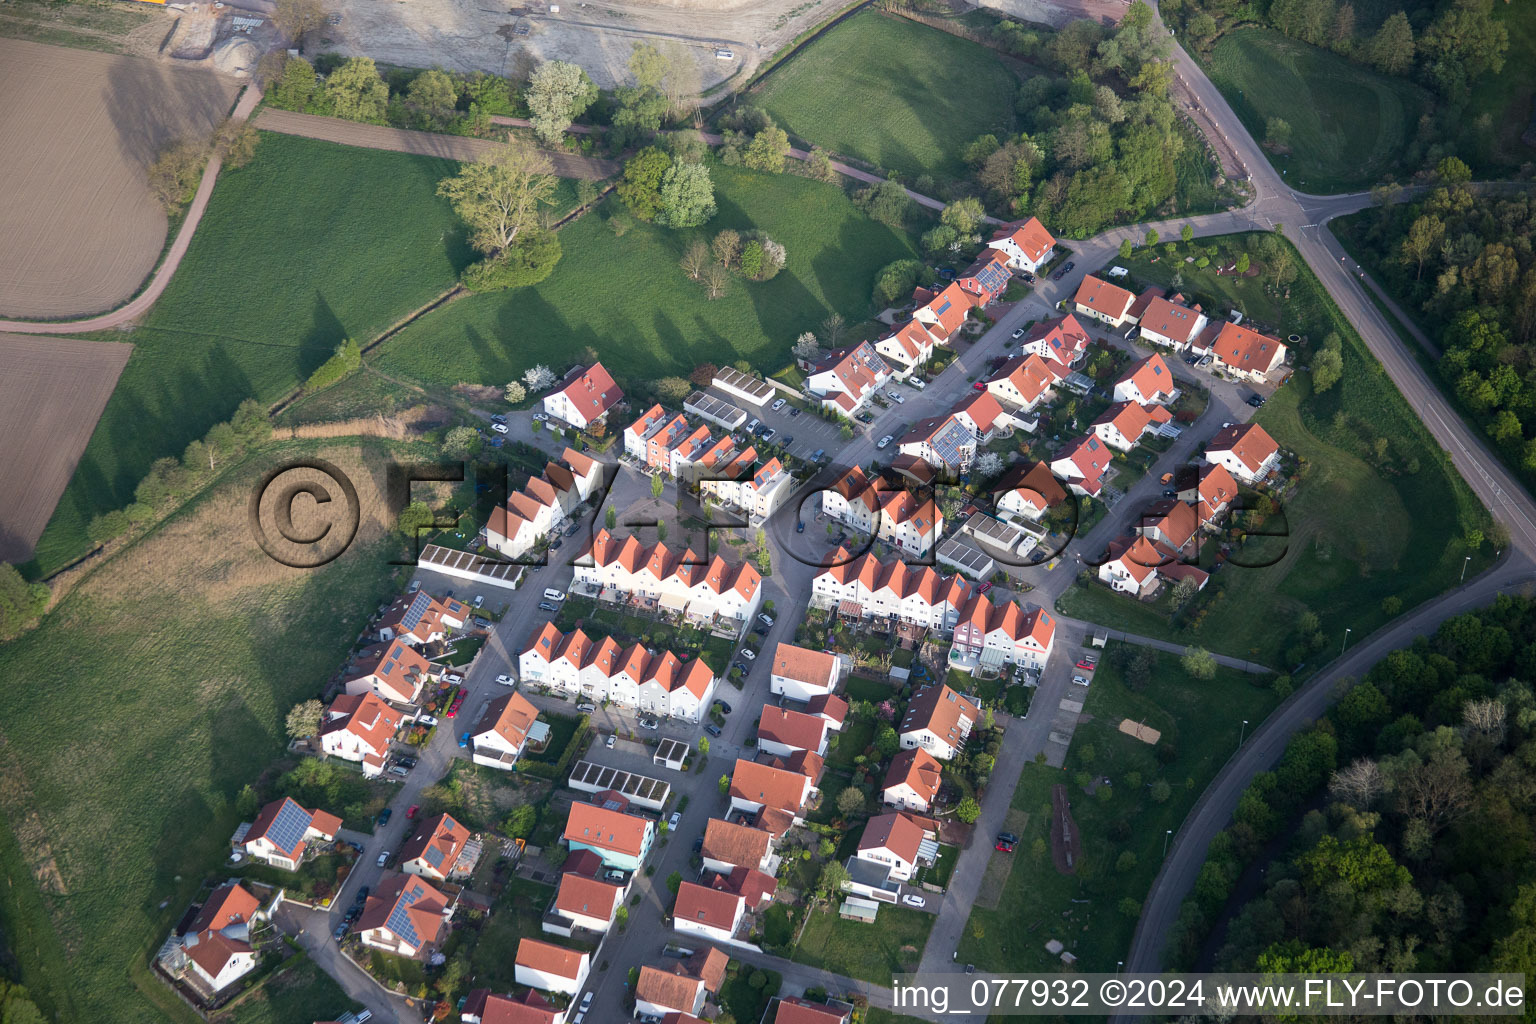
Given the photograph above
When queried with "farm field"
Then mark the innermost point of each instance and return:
(1356, 531)
(51, 394)
(82, 230)
(900, 95)
(1202, 722)
(309, 244)
(207, 643)
(629, 300)
(1349, 124)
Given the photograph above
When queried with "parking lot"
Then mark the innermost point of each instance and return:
(797, 432)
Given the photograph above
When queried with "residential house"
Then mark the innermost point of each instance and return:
(912, 781)
(677, 993)
(943, 315)
(1169, 322)
(1123, 424)
(944, 442)
(503, 731)
(1081, 465)
(755, 491)
(1211, 489)
(753, 886)
(585, 902)
(1028, 491)
(283, 831)
(938, 720)
(404, 915)
(845, 380)
(439, 848)
(1171, 523)
(1024, 381)
(621, 840)
(705, 590)
(601, 670)
(994, 635)
(1131, 566)
(584, 397)
(231, 903)
(1148, 382)
(892, 840)
(394, 670)
(987, 278)
(801, 674)
(865, 587)
(1027, 245)
(1101, 300)
(794, 1010)
(550, 968)
(217, 958)
(730, 844)
(782, 732)
(756, 786)
(1245, 450)
(419, 619)
(359, 727)
(982, 415)
(907, 348)
(1061, 341)
(887, 510)
(712, 913)
(1243, 352)
(482, 1006)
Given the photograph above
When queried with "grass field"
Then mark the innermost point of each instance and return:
(1349, 124)
(893, 944)
(900, 95)
(1506, 97)
(203, 644)
(298, 992)
(1358, 529)
(309, 244)
(1203, 721)
(628, 298)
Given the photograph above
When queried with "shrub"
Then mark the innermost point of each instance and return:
(529, 260)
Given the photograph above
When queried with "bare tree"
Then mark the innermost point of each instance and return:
(832, 329)
(298, 18)
(695, 259)
(1486, 718)
(716, 280)
(680, 84)
(1357, 785)
(1438, 790)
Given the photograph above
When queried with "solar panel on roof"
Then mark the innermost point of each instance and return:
(418, 608)
(399, 921)
(942, 309)
(288, 827)
(434, 855)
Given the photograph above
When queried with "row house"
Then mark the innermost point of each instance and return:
(1148, 382)
(938, 720)
(869, 588)
(393, 670)
(943, 442)
(845, 380)
(1003, 634)
(1061, 341)
(584, 397)
(1245, 450)
(944, 313)
(907, 348)
(1028, 491)
(543, 503)
(1124, 424)
(755, 491)
(1103, 301)
(1026, 246)
(889, 512)
(655, 682)
(359, 727)
(621, 840)
(1081, 465)
(1024, 382)
(665, 442)
(550, 968)
(675, 580)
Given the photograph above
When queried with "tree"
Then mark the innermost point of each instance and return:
(641, 187)
(235, 142)
(724, 784)
(806, 346)
(818, 165)
(1463, 43)
(886, 741)
(752, 259)
(298, 18)
(885, 201)
(1152, 237)
(896, 280)
(356, 92)
(1391, 49)
(558, 93)
(851, 800)
(20, 602)
(1327, 369)
(767, 150)
(1242, 264)
(1161, 791)
(833, 877)
(657, 485)
(687, 196)
(726, 247)
(304, 719)
(673, 389)
(1127, 247)
(989, 464)
(499, 195)
(968, 810)
(461, 442)
(1125, 862)
(647, 65)
(538, 377)
(432, 95)
(1423, 237)
(414, 518)
(1187, 233)
(964, 215)
(717, 280)
(611, 518)
(175, 174)
(295, 86)
(1198, 663)
(520, 823)
(704, 744)
(514, 392)
(530, 259)
(1359, 784)
(695, 259)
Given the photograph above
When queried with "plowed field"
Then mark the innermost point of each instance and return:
(77, 131)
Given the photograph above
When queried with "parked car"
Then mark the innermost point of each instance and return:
(722, 705)
(410, 812)
(650, 723)
(800, 526)
(1004, 847)
(589, 708)
(383, 858)
(506, 680)
(914, 901)
(1080, 681)
(895, 396)
(573, 529)
(787, 441)
(362, 896)
(1017, 334)
(1255, 400)
(555, 546)
(979, 385)
(426, 720)
(765, 619)
(340, 932)
(408, 763)
(384, 816)
(497, 442)
(497, 417)
(463, 741)
(778, 404)
(917, 384)
(401, 770)
(712, 729)
(1085, 665)
(586, 1001)
(760, 630)
(500, 428)
(984, 587)
(698, 844)
(885, 441)
(749, 654)
(1064, 271)
(752, 427)
(548, 606)
(453, 677)
(610, 741)
(768, 434)
(816, 456)
(674, 821)
(553, 594)
(865, 417)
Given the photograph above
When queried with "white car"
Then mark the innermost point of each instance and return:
(609, 744)
(426, 720)
(650, 723)
(452, 677)
(765, 619)
(500, 428)
(749, 654)
(541, 417)
(894, 396)
(914, 901)
(777, 405)
(383, 858)
(674, 821)
(586, 1001)
(1080, 681)
(506, 680)
(885, 442)
(1018, 334)
(586, 707)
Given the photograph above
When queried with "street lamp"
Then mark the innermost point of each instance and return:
(1119, 964)
(1464, 563)
(1243, 732)
(1166, 836)
(1346, 640)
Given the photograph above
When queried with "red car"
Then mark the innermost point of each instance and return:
(1086, 665)
(1004, 847)
(983, 588)
(980, 385)
(411, 812)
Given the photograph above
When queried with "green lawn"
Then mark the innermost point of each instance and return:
(900, 95)
(204, 645)
(740, 999)
(308, 244)
(1357, 532)
(1203, 721)
(628, 298)
(1349, 124)
(300, 991)
(516, 915)
(870, 952)
(1506, 97)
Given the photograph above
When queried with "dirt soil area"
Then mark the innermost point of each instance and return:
(52, 391)
(1145, 733)
(503, 38)
(77, 131)
(1057, 13)
(1066, 848)
(1000, 865)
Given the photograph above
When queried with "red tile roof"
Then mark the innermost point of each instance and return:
(772, 787)
(211, 950)
(895, 832)
(703, 905)
(791, 728)
(1248, 441)
(231, 903)
(528, 1008)
(1103, 297)
(437, 842)
(734, 843)
(538, 955)
(423, 905)
(940, 710)
(607, 830)
(1244, 349)
(1170, 320)
(1029, 236)
(918, 769)
(588, 897)
(667, 986)
(793, 1010)
(591, 391)
(1151, 376)
(804, 665)
(509, 716)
